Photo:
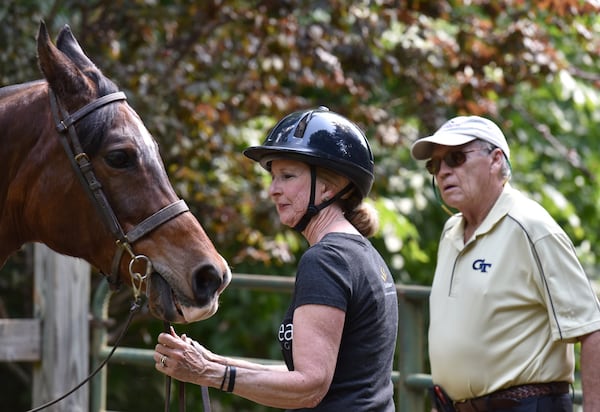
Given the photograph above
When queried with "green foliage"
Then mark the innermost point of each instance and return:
(210, 78)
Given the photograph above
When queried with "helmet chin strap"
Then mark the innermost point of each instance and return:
(312, 209)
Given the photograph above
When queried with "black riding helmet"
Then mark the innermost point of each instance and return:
(320, 138)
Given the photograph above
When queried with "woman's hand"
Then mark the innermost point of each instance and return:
(186, 360)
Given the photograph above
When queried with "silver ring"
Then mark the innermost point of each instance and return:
(163, 362)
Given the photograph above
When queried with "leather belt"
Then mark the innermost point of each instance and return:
(510, 397)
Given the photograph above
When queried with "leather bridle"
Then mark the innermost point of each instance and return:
(65, 125)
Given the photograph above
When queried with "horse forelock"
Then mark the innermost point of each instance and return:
(92, 128)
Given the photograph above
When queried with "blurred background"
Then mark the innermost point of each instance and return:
(211, 77)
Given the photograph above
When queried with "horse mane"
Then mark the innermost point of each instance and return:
(7, 91)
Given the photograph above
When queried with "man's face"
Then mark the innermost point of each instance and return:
(462, 173)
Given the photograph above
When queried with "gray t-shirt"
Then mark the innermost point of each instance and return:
(346, 272)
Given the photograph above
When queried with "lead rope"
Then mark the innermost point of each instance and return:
(168, 379)
(137, 304)
(181, 384)
(135, 307)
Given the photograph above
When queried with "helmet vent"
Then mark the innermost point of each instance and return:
(301, 128)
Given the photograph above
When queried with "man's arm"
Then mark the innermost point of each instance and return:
(590, 371)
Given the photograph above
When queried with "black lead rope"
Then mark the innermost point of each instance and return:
(168, 381)
(135, 307)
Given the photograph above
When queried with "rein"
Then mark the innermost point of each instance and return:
(168, 380)
(65, 126)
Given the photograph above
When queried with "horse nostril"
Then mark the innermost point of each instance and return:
(206, 281)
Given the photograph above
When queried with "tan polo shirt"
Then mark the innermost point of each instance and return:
(506, 307)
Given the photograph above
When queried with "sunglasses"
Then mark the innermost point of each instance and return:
(453, 159)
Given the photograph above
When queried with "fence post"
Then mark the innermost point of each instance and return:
(99, 314)
(61, 301)
(411, 346)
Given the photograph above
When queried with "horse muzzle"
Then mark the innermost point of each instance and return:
(167, 302)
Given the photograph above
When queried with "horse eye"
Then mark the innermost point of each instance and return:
(119, 159)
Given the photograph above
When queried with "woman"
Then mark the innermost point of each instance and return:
(338, 336)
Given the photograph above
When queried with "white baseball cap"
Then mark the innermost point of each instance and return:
(458, 131)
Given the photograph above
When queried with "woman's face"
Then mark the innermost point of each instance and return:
(290, 189)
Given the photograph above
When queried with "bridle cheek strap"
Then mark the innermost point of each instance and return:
(79, 159)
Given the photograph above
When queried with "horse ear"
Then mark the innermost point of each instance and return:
(63, 75)
(68, 44)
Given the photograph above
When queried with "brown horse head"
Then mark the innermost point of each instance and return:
(43, 199)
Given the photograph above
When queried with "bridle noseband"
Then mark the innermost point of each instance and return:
(65, 126)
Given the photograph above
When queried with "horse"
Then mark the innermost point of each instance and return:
(83, 175)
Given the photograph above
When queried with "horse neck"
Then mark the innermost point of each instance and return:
(24, 122)
(23, 112)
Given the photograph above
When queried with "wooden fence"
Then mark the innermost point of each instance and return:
(56, 339)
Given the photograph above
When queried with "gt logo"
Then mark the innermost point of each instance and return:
(481, 266)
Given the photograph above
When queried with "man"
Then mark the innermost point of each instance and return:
(509, 297)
